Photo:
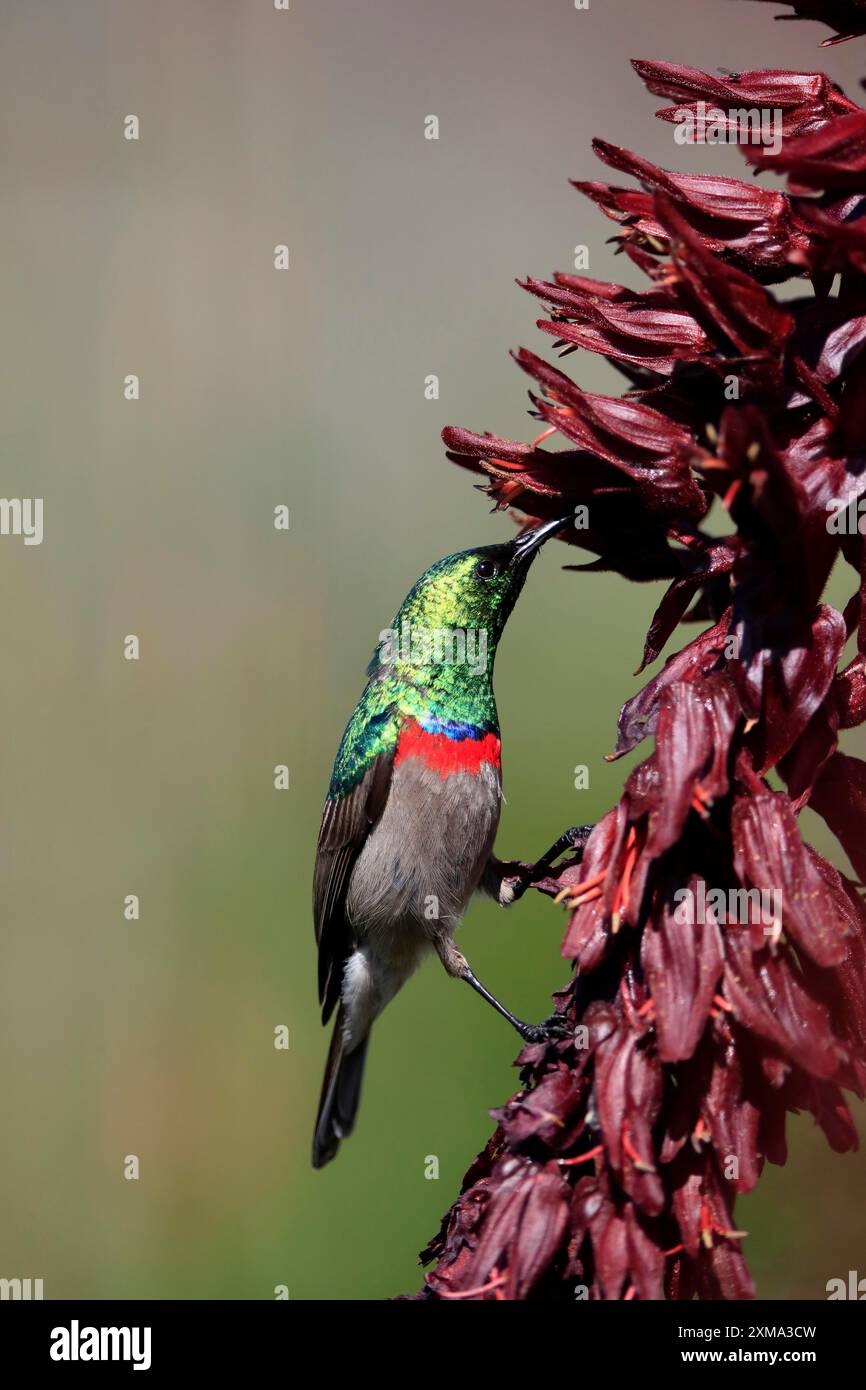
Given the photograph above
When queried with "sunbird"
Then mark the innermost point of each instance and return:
(413, 808)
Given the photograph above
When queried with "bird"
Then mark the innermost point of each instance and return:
(412, 811)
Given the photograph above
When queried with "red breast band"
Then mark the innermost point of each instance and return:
(446, 755)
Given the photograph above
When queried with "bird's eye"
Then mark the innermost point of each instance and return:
(486, 569)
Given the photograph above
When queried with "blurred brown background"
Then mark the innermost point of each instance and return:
(155, 257)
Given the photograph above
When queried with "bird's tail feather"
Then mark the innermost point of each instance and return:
(341, 1092)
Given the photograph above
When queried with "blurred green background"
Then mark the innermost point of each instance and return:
(306, 388)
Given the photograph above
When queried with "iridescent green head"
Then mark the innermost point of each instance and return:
(448, 627)
(435, 663)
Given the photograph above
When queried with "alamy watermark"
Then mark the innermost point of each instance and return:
(441, 646)
(21, 1289)
(77, 1343)
(741, 907)
(22, 516)
(846, 518)
(851, 1288)
(710, 125)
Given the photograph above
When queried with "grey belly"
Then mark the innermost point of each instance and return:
(413, 880)
(425, 856)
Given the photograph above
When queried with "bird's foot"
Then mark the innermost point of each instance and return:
(507, 880)
(512, 887)
(551, 1030)
(576, 837)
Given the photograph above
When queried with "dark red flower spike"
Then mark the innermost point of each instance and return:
(719, 961)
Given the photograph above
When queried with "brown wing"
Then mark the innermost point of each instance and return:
(346, 823)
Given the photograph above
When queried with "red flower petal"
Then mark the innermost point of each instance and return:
(767, 998)
(683, 963)
(769, 855)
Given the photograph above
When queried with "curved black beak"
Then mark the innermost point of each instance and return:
(526, 546)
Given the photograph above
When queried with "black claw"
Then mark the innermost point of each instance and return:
(551, 1030)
